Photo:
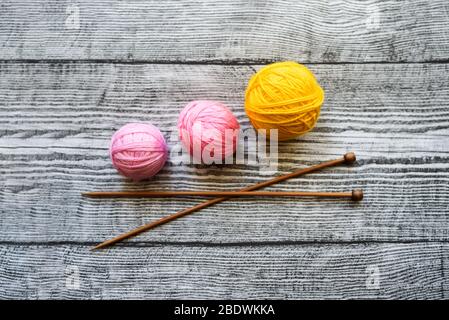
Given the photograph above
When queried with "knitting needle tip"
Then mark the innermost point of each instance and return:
(98, 246)
(88, 194)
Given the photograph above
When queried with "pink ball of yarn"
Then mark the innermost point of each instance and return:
(138, 150)
(209, 127)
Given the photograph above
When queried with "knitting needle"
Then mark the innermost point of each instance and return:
(355, 195)
(347, 158)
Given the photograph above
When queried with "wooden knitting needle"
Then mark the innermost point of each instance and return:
(347, 158)
(355, 195)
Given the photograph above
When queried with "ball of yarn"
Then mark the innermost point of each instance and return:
(138, 150)
(208, 127)
(284, 96)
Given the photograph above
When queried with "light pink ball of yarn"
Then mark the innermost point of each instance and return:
(203, 123)
(138, 150)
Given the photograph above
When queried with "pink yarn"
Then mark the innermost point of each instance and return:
(138, 150)
(202, 128)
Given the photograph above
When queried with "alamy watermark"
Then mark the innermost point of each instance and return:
(211, 147)
(72, 277)
(372, 277)
(72, 19)
(373, 17)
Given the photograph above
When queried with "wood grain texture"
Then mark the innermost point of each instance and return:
(56, 121)
(225, 31)
(404, 271)
(72, 72)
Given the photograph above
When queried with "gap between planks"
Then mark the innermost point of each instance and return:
(211, 62)
(145, 244)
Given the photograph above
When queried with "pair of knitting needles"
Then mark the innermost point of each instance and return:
(348, 158)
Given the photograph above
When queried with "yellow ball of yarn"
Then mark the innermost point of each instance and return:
(284, 96)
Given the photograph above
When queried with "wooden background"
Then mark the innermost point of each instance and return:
(72, 72)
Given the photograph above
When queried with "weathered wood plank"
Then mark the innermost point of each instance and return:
(225, 31)
(56, 121)
(388, 271)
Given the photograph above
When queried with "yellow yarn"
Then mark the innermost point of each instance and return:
(284, 96)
